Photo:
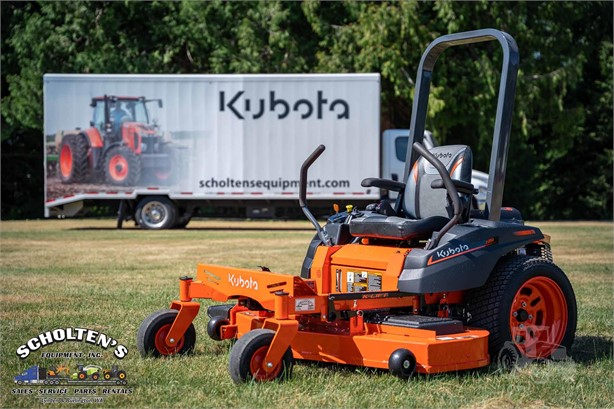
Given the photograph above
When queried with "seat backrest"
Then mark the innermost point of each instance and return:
(420, 200)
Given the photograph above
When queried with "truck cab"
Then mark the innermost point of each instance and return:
(33, 374)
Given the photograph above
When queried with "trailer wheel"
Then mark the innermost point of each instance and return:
(214, 327)
(122, 167)
(74, 165)
(529, 302)
(402, 363)
(155, 212)
(153, 331)
(247, 358)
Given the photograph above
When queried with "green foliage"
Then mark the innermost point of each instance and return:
(561, 153)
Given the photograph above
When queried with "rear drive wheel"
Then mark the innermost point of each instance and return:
(528, 302)
(247, 358)
(156, 212)
(74, 165)
(95, 376)
(152, 334)
(122, 167)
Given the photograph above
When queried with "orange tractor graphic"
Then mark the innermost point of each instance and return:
(121, 145)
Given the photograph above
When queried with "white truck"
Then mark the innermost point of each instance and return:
(162, 146)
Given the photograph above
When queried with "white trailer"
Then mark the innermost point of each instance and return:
(162, 146)
(219, 140)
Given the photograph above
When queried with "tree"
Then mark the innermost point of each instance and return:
(562, 128)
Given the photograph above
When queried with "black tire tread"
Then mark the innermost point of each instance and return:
(134, 166)
(80, 165)
(237, 365)
(144, 341)
(485, 303)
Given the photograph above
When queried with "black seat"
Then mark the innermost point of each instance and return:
(425, 208)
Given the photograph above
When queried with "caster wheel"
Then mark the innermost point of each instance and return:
(152, 334)
(247, 359)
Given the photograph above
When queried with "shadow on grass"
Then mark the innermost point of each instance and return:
(587, 350)
(272, 228)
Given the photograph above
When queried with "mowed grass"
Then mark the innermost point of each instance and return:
(84, 273)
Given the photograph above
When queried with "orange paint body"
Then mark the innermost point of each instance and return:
(322, 319)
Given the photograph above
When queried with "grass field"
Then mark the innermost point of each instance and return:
(84, 273)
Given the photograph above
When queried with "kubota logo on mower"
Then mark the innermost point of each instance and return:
(442, 155)
(452, 250)
(238, 281)
(457, 250)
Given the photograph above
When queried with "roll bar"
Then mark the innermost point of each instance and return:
(505, 105)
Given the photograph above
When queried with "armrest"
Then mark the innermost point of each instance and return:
(383, 184)
(462, 187)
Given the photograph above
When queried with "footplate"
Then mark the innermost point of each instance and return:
(441, 326)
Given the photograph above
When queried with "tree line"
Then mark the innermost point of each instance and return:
(560, 158)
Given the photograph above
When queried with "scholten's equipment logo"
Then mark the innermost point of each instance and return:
(72, 334)
(238, 281)
(242, 106)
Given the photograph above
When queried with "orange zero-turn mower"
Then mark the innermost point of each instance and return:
(426, 283)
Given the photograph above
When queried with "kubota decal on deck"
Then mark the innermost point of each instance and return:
(238, 281)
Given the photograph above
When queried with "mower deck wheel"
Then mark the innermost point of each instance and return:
(153, 332)
(214, 327)
(402, 363)
(247, 358)
(508, 358)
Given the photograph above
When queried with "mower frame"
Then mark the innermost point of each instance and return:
(361, 301)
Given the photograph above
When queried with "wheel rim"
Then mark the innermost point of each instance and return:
(160, 342)
(154, 214)
(66, 161)
(256, 366)
(538, 317)
(123, 375)
(118, 167)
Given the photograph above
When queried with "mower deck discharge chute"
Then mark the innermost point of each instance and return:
(426, 284)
